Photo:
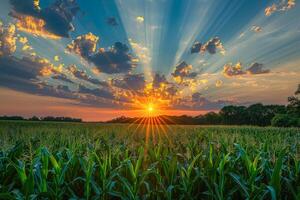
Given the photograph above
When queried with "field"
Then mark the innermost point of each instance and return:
(43, 160)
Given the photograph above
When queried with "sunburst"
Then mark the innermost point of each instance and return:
(152, 122)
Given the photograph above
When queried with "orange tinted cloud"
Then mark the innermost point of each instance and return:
(7, 39)
(34, 26)
(284, 5)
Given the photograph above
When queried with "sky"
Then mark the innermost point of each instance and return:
(101, 59)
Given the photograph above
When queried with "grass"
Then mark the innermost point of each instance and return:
(42, 160)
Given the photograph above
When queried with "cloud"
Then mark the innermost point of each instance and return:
(219, 83)
(230, 70)
(62, 77)
(196, 48)
(135, 82)
(115, 60)
(112, 21)
(28, 66)
(257, 68)
(210, 46)
(213, 45)
(284, 5)
(197, 97)
(7, 39)
(256, 29)
(56, 58)
(103, 93)
(270, 9)
(63, 88)
(141, 51)
(172, 90)
(140, 19)
(80, 74)
(233, 70)
(23, 74)
(198, 102)
(183, 70)
(84, 45)
(52, 22)
(23, 40)
(158, 80)
(27, 74)
(161, 88)
(33, 26)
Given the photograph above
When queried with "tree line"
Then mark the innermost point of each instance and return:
(255, 114)
(48, 118)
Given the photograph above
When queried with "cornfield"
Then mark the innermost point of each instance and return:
(108, 161)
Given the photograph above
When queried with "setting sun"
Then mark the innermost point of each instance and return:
(150, 108)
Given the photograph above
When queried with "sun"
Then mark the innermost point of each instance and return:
(150, 108)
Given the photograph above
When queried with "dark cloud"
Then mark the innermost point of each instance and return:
(171, 89)
(84, 45)
(62, 77)
(257, 68)
(213, 45)
(22, 75)
(25, 68)
(210, 46)
(230, 70)
(112, 21)
(56, 19)
(80, 74)
(158, 80)
(183, 70)
(103, 93)
(199, 102)
(115, 60)
(196, 48)
(25, 75)
(135, 82)
(26, 7)
(197, 97)
(63, 88)
(233, 70)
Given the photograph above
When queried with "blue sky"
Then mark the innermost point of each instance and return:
(186, 55)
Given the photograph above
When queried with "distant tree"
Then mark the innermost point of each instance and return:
(292, 116)
(34, 118)
(11, 118)
(285, 120)
(234, 115)
(261, 115)
(61, 119)
(256, 114)
(209, 118)
(294, 103)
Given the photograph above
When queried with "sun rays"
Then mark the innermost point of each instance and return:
(152, 124)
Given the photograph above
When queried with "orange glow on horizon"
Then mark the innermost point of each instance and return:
(47, 106)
